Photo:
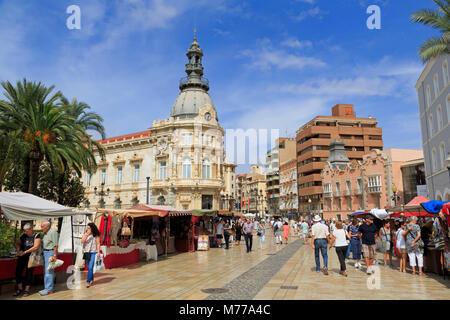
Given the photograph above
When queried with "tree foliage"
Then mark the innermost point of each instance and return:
(438, 19)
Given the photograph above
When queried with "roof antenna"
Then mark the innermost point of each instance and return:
(195, 32)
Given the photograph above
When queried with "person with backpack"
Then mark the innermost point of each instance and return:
(278, 230)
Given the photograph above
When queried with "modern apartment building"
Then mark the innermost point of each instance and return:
(360, 136)
(283, 151)
(434, 108)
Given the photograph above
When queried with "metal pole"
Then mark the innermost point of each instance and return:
(167, 236)
(73, 245)
(148, 189)
(15, 232)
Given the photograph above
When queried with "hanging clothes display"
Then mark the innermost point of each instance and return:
(105, 230)
(155, 231)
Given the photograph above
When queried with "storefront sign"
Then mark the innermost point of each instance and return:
(203, 243)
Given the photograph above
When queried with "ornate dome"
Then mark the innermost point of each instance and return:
(194, 88)
(189, 102)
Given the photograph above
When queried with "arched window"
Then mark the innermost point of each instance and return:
(440, 123)
(135, 201)
(118, 204)
(445, 73)
(206, 169)
(187, 168)
(430, 126)
(442, 155)
(436, 86)
(428, 96)
(434, 166)
(448, 109)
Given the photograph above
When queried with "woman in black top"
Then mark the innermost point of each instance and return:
(227, 233)
(238, 228)
(26, 244)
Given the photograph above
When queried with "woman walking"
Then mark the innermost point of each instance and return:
(26, 244)
(386, 236)
(261, 233)
(339, 240)
(414, 245)
(227, 234)
(238, 230)
(91, 248)
(286, 232)
(355, 243)
(401, 246)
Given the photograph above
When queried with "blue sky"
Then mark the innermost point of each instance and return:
(271, 64)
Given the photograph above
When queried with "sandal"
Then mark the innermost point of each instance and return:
(26, 293)
(18, 293)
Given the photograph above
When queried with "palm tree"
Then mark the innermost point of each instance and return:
(438, 19)
(32, 115)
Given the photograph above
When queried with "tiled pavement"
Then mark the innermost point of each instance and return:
(183, 276)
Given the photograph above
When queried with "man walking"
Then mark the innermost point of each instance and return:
(369, 233)
(248, 234)
(319, 241)
(50, 247)
(305, 231)
(278, 231)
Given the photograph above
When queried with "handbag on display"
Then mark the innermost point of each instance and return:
(36, 257)
(126, 231)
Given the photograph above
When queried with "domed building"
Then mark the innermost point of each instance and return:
(182, 157)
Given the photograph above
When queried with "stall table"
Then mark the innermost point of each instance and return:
(8, 266)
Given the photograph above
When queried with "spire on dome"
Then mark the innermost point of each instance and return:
(194, 67)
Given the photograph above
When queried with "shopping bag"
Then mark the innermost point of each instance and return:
(36, 258)
(98, 264)
(52, 265)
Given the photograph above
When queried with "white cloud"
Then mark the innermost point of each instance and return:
(266, 57)
(359, 86)
(295, 43)
(313, 12)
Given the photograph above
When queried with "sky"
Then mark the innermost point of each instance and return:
(272, 64)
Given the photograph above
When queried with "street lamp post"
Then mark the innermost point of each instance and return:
(309, 206)
(102, 194)
(396, 197)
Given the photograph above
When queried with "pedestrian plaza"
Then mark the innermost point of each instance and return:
(277, 272)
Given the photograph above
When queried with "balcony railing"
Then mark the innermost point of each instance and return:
(185, 80)
(328, 194)
(375, 189)
(337, 193)
(348, 193)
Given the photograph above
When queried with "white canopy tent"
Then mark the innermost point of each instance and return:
(18, 206)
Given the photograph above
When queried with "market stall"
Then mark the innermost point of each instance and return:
(201, 235)
(149, 229)
(19, 206)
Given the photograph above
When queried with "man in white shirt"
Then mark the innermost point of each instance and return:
(319, 242)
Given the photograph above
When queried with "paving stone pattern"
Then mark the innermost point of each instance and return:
(247, 285)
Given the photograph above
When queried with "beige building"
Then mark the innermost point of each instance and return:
(181, 158)
(251, 191)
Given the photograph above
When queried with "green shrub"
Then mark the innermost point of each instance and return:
(7, 238)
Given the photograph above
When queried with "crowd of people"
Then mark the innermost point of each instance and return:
(358, 237)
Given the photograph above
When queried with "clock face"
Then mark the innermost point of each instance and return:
(207, 116)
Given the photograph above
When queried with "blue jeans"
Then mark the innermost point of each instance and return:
(49, 275)
(261, 241)
(322, 245)
(355, 244)
(90, 265)
(349, 249)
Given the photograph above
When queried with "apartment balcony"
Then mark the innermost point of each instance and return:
(311, 167)
(337, 194)
(348, 193)
(273, 187)
(310, 191)
(309, 178)
(273, 178)
(328, 194)
(357, 192)
(375, 189)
